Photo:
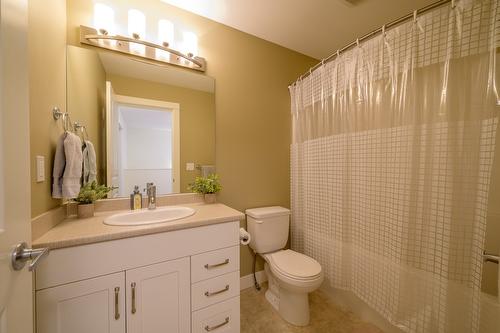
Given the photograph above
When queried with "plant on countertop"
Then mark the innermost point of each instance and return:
(91, 192)
(206, 185)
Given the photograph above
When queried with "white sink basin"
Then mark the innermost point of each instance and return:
(146, 216)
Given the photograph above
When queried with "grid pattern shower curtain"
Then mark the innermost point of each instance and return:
(392, 150)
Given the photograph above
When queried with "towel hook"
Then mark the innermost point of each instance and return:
(415, 13)
(56, 113)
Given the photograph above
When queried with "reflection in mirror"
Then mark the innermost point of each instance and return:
(149, 123)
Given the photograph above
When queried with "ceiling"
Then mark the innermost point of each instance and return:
(316, 28)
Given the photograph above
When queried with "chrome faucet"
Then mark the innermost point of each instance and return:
(151, 192)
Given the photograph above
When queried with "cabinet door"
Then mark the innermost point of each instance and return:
(158, 298)
(95, 305)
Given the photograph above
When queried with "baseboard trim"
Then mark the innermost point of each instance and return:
(247, 280)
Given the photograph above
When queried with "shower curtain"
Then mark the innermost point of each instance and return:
(392, 149)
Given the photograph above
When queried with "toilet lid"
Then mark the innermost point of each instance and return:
(295, 264)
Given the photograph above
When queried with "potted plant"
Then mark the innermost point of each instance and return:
(89, 193)
(208, 186)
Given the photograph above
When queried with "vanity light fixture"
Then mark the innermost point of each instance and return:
(122, 44)
(135, 43)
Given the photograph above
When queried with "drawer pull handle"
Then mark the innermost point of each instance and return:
(117, 311)
(225, 262)
(134, 309)
(208, 293)
(225, 322)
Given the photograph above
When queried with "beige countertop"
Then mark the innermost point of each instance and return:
(73, 231)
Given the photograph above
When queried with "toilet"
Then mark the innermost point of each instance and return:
(292, 275)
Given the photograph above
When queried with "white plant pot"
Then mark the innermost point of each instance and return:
(210, 198)
(85, 211)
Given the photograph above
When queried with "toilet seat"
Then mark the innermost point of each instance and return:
(295, 266)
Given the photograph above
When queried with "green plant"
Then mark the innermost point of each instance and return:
(206, 185)
(91, 192)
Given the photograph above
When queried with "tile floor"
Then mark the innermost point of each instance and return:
(258, 316)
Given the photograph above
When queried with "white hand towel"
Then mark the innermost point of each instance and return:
(58, 170)
(89, 163)
(73, 169)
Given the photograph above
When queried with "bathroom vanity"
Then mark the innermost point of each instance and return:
(178, 276)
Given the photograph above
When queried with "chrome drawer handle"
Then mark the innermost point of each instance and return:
(117, 311)
(134, 309)
(208, 293)
(208, 328)
(225, 262)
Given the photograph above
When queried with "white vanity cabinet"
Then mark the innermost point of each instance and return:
(94, 305)
(156, 298)
(178, 281)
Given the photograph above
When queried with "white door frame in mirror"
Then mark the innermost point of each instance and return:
(112, 101)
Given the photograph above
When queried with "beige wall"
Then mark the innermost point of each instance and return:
(86, 91)
(47, 75)
(197, 118)
(252, 105)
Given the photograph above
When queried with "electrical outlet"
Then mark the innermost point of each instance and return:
(190, 166)
(40, 169)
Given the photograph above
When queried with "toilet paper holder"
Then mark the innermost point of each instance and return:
(489, 257)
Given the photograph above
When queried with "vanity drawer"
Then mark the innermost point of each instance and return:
(215, 290)
(221, 318)
(211, 264)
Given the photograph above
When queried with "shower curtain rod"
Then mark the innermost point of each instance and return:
(374, 32)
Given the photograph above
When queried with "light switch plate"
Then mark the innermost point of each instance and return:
(190, 166)
(40, 169)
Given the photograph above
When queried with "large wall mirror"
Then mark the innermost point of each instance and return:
(147, 122)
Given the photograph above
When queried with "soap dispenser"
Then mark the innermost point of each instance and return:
(136, 199)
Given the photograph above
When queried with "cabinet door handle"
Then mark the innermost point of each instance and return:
(134, 310)
(117, 310)
(225, 262)
(208, 293)
(211, 328)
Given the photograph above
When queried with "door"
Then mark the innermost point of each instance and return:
(15, 286)
(112, 132)
(143, 143)
(158, 298)
(95, 305)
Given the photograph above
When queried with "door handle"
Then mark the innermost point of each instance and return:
(21, 254)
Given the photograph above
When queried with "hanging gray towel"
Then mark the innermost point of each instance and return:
(73, 169)
(58, 170)
(89, 163)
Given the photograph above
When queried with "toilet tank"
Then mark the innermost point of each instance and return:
(268, 227)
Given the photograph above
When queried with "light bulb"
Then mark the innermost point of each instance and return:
(137, 30)
(165, 35)
(104, 18)
(190, 43)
